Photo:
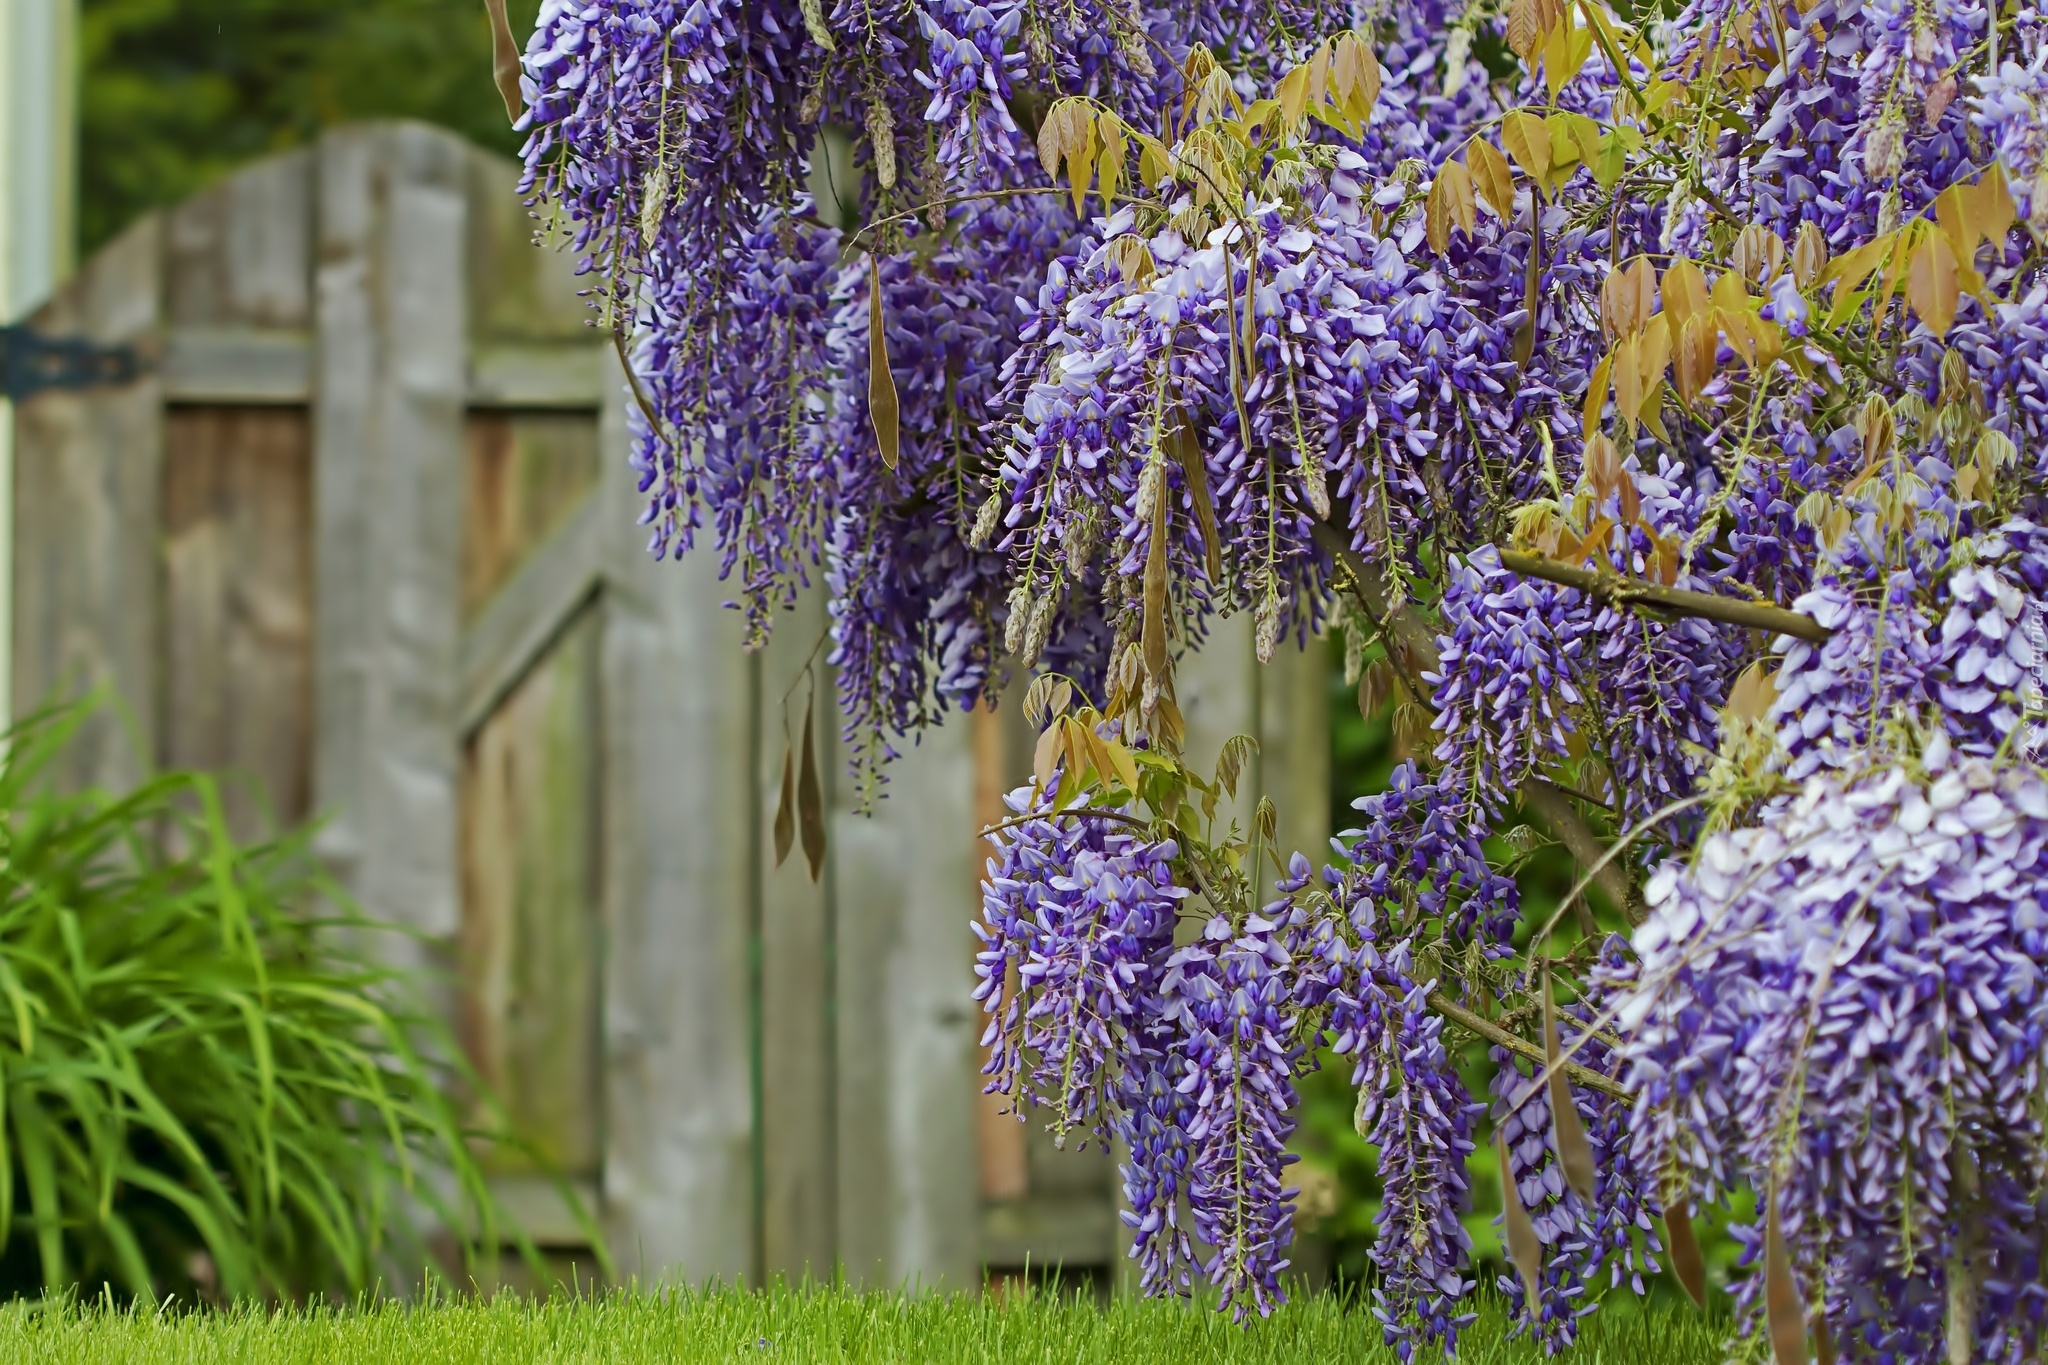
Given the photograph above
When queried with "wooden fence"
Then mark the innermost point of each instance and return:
(361, 535)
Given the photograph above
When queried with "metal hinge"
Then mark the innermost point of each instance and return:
(31, 363)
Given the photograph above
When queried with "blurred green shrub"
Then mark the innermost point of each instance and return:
(176, 93)
(206, 1088)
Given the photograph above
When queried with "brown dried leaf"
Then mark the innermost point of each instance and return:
(785, 809)
(1375, 686)
(1939, 96)
(1683, 1247)
(1523, 1247)
(1237, 751)
(882, 406)
(1154, 629)
(1567, 1131)
(1784, 1314)
(810, 802)
(1524, 30)
(505, 60)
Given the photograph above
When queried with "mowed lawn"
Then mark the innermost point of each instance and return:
(680, 1328)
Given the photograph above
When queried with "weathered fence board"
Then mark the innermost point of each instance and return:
(362, 538)
(237, 688)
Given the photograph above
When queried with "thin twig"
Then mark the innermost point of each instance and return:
(1604, 585)
(1580, 1075)
(1089, 811)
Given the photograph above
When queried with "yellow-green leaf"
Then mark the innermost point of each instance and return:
(1685, 291)
(1932, 286)
(1491, 176)
(1528, 142)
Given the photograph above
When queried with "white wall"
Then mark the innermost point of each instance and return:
(38, 207)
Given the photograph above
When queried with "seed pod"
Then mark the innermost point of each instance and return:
(1523, 1247)
(1784, 1314)
(1567, 1131)
(1686, 1262)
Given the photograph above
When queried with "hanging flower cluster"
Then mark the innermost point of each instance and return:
(1661, 412)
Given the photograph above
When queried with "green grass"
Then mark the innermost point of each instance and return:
(797, 1326)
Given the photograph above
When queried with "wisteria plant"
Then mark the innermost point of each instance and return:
(1655, 402)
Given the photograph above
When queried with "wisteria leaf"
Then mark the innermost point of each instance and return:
(1932, 286)
(1491, 176)
(1237, 751)
(1596, 392)
(1992, 211)
(1046, 756)
(1528, 142)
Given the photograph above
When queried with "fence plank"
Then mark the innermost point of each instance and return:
(388, 439)
(524, 474)
(678, 872)
(237, 694)
(908, 1188)
(530, 933)
(88, 478)
(240, 255)
(798, 1142)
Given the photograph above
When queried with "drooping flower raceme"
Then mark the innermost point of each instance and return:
(1844, 1006)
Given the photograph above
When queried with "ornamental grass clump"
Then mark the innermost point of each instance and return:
(1654, 401)
(210, 1089)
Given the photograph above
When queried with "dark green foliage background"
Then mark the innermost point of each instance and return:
(175, 93)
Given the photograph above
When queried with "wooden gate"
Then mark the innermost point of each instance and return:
(362, 536)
